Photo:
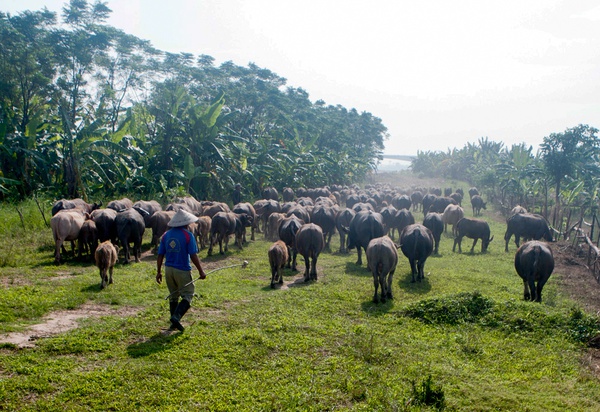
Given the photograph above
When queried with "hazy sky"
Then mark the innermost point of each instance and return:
(438, 73)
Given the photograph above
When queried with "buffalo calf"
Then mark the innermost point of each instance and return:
(382, 258)
(106, 258)
(278, 257)
(534, 262)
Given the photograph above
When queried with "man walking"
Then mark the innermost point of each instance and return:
(179, 247)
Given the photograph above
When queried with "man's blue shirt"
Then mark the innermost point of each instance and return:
(177, 245)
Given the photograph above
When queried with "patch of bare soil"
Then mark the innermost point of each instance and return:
(63, 321)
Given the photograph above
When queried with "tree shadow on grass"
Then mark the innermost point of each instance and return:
(157, 343)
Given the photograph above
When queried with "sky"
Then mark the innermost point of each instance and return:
(438, 73)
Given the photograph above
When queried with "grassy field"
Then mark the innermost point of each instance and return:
(463, 340)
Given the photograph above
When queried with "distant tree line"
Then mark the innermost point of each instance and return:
(88, 110)
(564, 172)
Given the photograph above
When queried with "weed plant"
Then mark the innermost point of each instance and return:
(461, 340)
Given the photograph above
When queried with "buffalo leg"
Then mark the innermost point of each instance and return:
(413, 269)
(388, 292)
(376, 285)
(538, 294)
(526, 294)
(313, 268)
(474, 243)
(359, 251)
(306, 269)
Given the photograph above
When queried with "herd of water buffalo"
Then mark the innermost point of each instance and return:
(303, 222)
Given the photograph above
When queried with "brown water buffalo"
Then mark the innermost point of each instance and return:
(66, 225)
(364, 227)
(382, 258)
(105, 224)
(278, 257)
(343, 219)
(452, 214)
(270, 193)
(203, 231)
(416, 242)
(273, 225)
(263, 209)
(74, 203)
(534, 263)
(474, 229)
(434, 222)
(528, 226)
(247, 209)
(477, 203)
(300, 212)
(130, 229)
(310, 243)
(190, 205)
(120, 205)
(212, 208)
(223, 225)
(106, 258)
(87, 240)
(324, 216)
(288, 228)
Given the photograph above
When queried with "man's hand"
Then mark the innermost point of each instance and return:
(159, 278)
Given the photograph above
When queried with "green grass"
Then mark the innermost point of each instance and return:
(461, 340)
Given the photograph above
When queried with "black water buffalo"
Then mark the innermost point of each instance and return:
(310, 243)
(130, 229)
(402, 202)
(388, 213)
(300, 212)
(248, 210)
(150, 206)
(364, 227)
(324, 217)
(158, 222)
(343, 219)
(382, 258)
(87, 240)
(473, 191)
(288, 194)
(427, 202)
(416, 198)
(534, 262)
(477, 203)
(120, 205)
(105, 224)
(278, 257)
(457, 198)
(439, 204)
(416, 242)
(263, 209)
(74, 203)
(435, 223)
(474, 229)
(527, 226)
(223, 225)
(288, 228)
(402, 218)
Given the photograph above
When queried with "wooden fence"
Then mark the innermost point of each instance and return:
(583, 234)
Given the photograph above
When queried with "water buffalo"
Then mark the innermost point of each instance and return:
(203, 231)
(105, 224)
(477, 203)
(130, 229)
(473, 191)
(87, 240)
(120, 205)
(273, 225)
(452, 214)
(288, 227)
(310, 243)
(434, 222)
(534, 262)
(364, 227)
(343, 219)
(189, 204)
(106, 258)
(416, 242)
(402, 202)
(158, 222)
(150, 206)
(288, 194)
(382, 258)
(74, 203)
(428, 200)
(416, 199)
(212, 208)
(324, 216)
(270, 193)
(278, 257)
(388, 213)
(223, 225)
(362, 206)
(457, 198)
(439, 204)
(263, 209)
(528, 226)
(402, 218)
(474, 229)
(247, 209)
(66, 225)
(518, 209)
(300, 212)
